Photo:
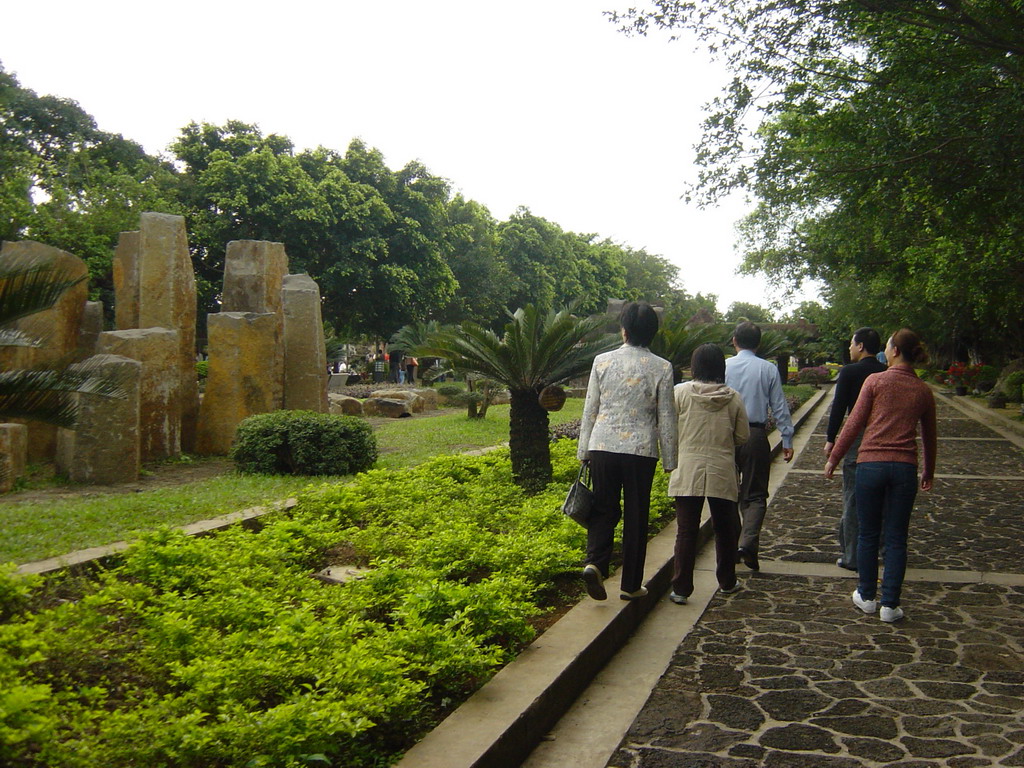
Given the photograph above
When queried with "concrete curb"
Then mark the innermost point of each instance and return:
(99, 555)
(1007, 427)
(501, 723)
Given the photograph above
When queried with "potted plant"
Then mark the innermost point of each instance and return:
(959, 375)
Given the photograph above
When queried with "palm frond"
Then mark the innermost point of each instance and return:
(536, 349)
(414, 336)
(28, 285)
(11, 337)
(45, 395)
(677, 341)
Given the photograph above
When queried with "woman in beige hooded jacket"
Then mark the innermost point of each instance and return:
(711, 423)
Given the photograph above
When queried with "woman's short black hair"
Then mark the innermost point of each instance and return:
(708, 364)
(640, 322)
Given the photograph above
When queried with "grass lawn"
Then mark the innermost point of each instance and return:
(408, 442)
(34, 530)
(37, 529)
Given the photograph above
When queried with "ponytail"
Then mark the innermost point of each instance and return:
(911, 348)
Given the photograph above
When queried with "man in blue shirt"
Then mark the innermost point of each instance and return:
(760, 388)
(864, 347)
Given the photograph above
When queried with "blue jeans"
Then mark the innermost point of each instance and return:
(848, 521)
(885, 498)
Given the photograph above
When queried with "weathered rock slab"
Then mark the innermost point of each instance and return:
(13, 454)
(104, 446)
(305, 353)
(345, 406)
(159, 400)
(240, 383)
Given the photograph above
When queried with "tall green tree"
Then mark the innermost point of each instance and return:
(888, 158)
(65, 182)
(532, 248)
(745, 310)
(483, 276)
(649, 277)
(537, 349)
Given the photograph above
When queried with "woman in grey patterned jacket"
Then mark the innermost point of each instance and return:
(629, 414)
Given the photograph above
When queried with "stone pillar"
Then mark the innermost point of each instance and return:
(92, 327)
(126, 281)
(13, 454)
(305, 353)
(104, 446)
(57, 329)
(158, 351)
(167, 299)
(240, 383)
(254, 272)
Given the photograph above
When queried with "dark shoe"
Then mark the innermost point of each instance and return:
(642, 592)
(748, 558)
(595, 583)
(841, 564)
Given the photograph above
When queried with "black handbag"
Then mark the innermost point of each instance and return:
(579, 502)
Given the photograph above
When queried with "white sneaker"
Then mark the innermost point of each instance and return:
(868, 606)
(891, 614)
(677, 599)
(642, 592)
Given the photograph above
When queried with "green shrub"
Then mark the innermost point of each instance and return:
(304, 443)
(1012, 387)
(202, 369)
(987, 374)
(222, 650)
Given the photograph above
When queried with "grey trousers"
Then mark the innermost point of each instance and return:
(848, 521)
(753, 459)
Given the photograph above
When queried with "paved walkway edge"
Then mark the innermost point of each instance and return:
(501, 723)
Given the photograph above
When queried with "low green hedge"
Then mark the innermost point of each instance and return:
(224, 651)
(303, 443)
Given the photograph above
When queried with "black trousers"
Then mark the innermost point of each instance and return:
(630, 477)
(726, 523)
(754, 460)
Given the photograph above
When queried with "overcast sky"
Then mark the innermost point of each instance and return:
(539, 103)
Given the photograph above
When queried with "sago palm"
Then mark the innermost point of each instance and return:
(536, 350)
(677, 340)
(28, 286)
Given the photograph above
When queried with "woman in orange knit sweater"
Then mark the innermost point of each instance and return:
(888, 410)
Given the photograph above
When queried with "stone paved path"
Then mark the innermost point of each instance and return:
(787, 673)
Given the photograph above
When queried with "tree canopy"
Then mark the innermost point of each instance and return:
(388, 248)
(884, 143)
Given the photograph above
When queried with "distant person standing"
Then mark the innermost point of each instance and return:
(711, 423)
(380, 366)
(890, 406)
(760, 387)
(410, 369)
(396, 371)
(628, 417)
(864, 346)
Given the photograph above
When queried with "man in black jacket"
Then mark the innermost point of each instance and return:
(864, 345)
